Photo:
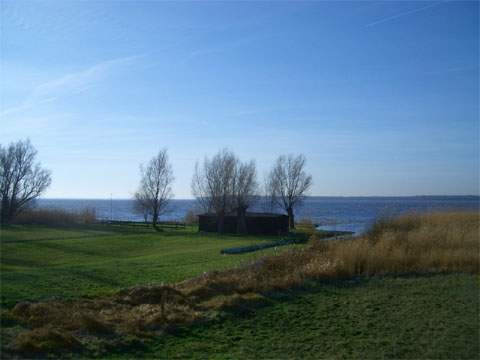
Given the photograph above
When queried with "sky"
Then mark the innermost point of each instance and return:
(382, 97)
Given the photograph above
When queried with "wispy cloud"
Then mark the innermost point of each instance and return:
(226, 46)
(405, 13)
(455, 69)
(70, 84)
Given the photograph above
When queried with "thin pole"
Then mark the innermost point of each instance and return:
(111, 207)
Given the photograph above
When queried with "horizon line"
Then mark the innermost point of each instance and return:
(308, 196)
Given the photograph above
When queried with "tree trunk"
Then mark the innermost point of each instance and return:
(241, 221)
(291, 219)
(3, 218)
(155, 219)
(221, 222)
(5, 212)
(2, 214)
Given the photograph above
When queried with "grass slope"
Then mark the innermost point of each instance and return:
(434, 317)
(40, 262)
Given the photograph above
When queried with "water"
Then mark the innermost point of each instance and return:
(330, 213)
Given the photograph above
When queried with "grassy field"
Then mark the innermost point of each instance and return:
(356, 298)
(382, 318)
(42, 262)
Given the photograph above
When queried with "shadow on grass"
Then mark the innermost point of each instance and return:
(70, 250)
(85, 232)
(20, 262)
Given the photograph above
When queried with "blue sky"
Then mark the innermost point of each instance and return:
(382, 97)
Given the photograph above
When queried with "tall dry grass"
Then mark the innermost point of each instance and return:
(436, 242)
(191, 218)
(431, 243)
(54, 217)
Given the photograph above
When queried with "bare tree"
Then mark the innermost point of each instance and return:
(22, 180)
(155, 190)
(201, 188)
(224, 184)
(213, 184)
(141, 207)
(244, 192)
(287, 184)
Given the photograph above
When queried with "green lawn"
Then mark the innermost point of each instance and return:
(41, 262)
(432, 317)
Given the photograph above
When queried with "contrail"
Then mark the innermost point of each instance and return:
(396, 16)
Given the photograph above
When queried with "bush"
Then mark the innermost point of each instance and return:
(55, 217)
(306, 225)
(191, 218)
(305, 222)
(87, 216)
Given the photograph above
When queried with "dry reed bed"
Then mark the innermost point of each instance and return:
(431, 243)
(55, 217)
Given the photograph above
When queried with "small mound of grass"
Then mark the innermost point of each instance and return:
(236, 303)
(93, 325)
(45, 340)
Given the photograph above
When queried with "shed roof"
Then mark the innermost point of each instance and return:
(249, 214)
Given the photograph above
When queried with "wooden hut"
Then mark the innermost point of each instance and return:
(257, 223)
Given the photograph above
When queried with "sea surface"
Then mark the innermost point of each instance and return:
(329, 213)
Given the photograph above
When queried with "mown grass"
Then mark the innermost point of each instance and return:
(39, 262)
(433, 317)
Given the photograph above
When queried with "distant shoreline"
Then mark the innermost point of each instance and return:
(333, 213)
(359, 197)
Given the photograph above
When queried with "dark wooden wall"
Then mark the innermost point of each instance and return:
(256, 225)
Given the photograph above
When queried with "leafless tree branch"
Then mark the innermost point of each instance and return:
(21, 179)
(155, 192)
(288, 183)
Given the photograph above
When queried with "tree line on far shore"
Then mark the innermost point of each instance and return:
(222, 185)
